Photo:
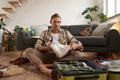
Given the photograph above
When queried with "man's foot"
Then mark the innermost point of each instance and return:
(45, 70)
(49, 66)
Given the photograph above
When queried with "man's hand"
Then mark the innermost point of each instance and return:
(76, 46)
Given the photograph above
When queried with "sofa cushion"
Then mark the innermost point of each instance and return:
(101, 29)
(38, 29)
(92, 40)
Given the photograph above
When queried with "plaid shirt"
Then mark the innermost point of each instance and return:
(64, 37)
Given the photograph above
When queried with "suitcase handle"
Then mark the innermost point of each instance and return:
(87, 77)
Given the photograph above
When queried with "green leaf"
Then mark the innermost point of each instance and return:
(18, 28)
(92, 14)
(85, 11)
(89, 17)
(102, 17)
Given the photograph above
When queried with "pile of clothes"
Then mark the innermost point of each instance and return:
(11, 70)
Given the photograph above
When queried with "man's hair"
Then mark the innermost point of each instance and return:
(54, 16)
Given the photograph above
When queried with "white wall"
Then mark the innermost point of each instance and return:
(39, 11)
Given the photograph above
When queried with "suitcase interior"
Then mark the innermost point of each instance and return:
(78, 70)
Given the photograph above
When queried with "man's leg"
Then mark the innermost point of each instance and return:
(77, 55)
(38, 58)
(72, 55)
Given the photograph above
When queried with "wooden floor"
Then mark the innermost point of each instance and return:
(31, 72)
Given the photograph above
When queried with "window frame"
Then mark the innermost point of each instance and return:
(106, 7)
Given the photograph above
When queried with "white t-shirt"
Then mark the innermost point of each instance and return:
(59, 49)
(55, 38)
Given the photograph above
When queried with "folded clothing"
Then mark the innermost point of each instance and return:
(60, 50)
(11, 71)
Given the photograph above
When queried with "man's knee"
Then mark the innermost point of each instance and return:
(29, 51)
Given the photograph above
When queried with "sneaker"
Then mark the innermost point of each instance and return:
(20, 61)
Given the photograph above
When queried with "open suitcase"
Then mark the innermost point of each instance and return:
(78, 70)
(114, 71)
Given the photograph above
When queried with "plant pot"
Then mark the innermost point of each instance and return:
(2, 49)
(11, 48)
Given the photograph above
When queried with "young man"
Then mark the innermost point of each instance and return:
(44, 54)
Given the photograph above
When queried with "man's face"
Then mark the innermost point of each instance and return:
(55, 23)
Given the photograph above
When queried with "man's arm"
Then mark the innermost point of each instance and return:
(74, 43)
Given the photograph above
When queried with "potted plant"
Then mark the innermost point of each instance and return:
(17, 29)
(91, 13)
(2, 47)
(2, 22)
(102, 17)
(10, 41)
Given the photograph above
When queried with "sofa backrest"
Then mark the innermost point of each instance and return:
(62, 26)
(76, 29)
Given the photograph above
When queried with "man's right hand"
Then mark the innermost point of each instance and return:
(76, 46)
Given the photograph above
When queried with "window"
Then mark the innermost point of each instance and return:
(111, 7)
(118, 6)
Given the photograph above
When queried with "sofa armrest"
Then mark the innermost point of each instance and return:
(113, 39)
(30, 41)
(20, 40)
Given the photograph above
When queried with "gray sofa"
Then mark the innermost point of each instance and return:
(109, 43)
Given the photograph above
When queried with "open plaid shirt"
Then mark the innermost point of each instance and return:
(64, 37)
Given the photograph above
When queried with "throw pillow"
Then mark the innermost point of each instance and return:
(88, 29)
(38, 29)
(101, 29)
